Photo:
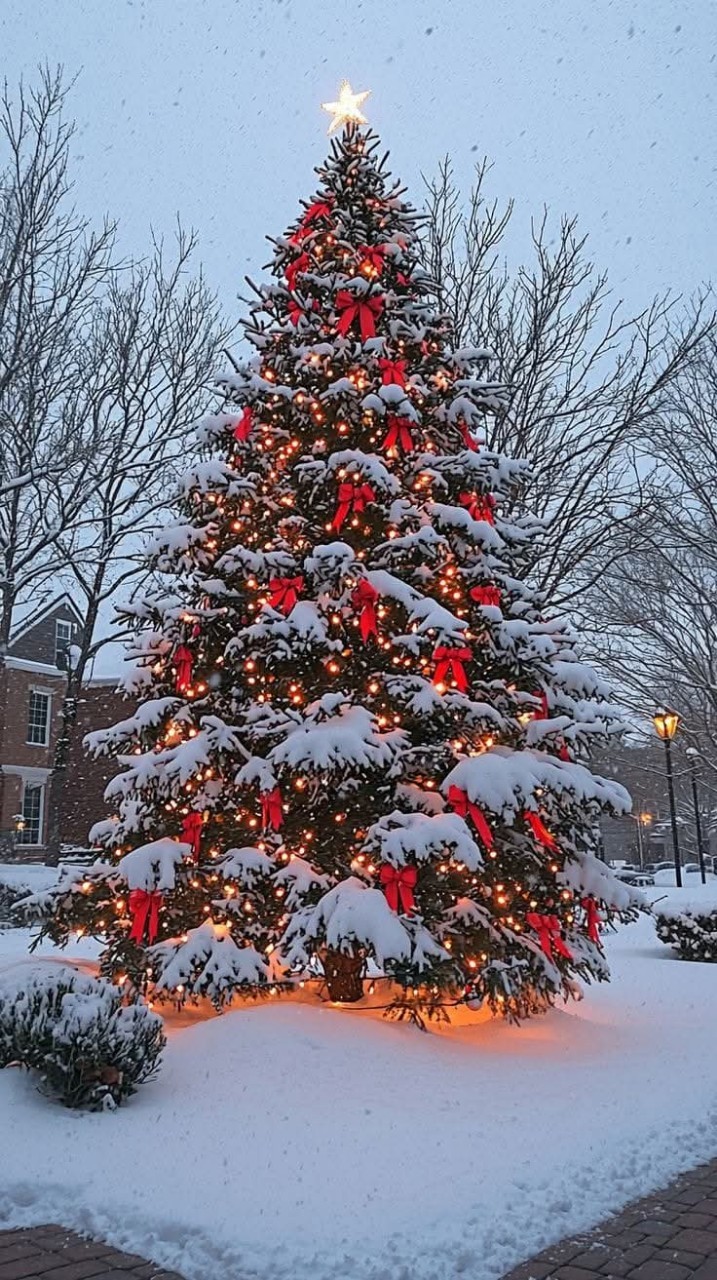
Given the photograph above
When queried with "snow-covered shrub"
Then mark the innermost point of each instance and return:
(690, 928)
(10, 894)
(89, 1046)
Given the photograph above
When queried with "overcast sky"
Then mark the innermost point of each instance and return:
(210, 108)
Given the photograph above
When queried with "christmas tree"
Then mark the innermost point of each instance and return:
(360, 742)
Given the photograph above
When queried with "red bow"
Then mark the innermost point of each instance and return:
(548, 931)
(563, 753)
(352, 497)
(299, 264)
(398, 885)
(144, 906)
(272, 814)
(393, 372)
(399, 434)
(449, 662)
(285, 593)
(192, 832)
(401, 278)
(486, 594)
(364, 597)
(242, 430)
(479, 506)
(319, 209)
(373, 254)
(540, 831)
(543, 711)
(465, 808)
(467, 438)
(363, 310)
(589, 905)
(183, 660)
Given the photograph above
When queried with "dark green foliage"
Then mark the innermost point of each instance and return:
(90, 1047)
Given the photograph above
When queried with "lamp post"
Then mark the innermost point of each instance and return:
(694, 756)
(666, 723)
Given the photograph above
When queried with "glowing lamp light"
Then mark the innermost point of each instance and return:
(666, 723)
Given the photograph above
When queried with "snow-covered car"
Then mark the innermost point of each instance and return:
(634, 876)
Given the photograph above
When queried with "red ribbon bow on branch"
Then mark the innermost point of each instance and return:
(242, 430)
(539, 829)
(398, 884)
(486, 594)
(364, 597)
(393, 372)
(549, 936)
(465, 808)
(272, 814)
(352, 498)
(285, 593)
(480, 506)
(373, 255)
(592, 921)
(299, 264)
(354, 309)
(449, 664)
(543, 711)
(399, 434)
(319, 209)
(467, 438)
(192, 832)
(183, 661)
(144, 908)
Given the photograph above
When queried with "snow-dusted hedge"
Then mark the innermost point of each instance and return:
(690, 928)
(89, 1046)
(10, 895)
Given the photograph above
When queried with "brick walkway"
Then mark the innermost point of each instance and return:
(668, 1236)
(56, 1254)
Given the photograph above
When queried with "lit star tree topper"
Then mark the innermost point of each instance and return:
(347, 107)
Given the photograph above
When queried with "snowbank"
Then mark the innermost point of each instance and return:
(300, 1143)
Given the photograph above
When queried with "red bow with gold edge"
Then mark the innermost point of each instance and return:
(398, 884)
(449, 663)
(592, 921)
(192, 832)
(399, 434)
(549, 936)
(352, 498)
(486, 594)
(242, 430)
(480, 506)
(393, 372)
(285, 593)
(364, 597)
(272, 814)
(364, 310)
(539, 829)
(299, 264)
(465, 808)
(144, 908)
(183, 660)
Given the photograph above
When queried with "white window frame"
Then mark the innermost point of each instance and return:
(42, 693)
(62, 622)
(33, 844)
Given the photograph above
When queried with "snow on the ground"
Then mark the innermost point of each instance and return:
(295, 1142)
(33, 874)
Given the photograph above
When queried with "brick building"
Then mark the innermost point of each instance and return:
(32, 687)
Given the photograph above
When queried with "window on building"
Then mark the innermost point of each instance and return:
(38, 721)
(63, 639)
(30, 831)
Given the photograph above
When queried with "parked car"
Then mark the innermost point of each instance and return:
(634, 876)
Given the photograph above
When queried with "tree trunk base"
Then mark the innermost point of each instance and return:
(343, 972)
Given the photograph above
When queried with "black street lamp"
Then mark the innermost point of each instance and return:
(694, 756)
(666, 723)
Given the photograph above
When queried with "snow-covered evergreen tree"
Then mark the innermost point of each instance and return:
(359, 736)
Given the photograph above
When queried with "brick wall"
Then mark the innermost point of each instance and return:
(19, 760)
(83, 802)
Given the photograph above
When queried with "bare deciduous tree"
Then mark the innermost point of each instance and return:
(586, 384)
(52, 269)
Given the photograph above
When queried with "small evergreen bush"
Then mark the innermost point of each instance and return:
(90, 1046)
(690, 930)
(9, 896)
